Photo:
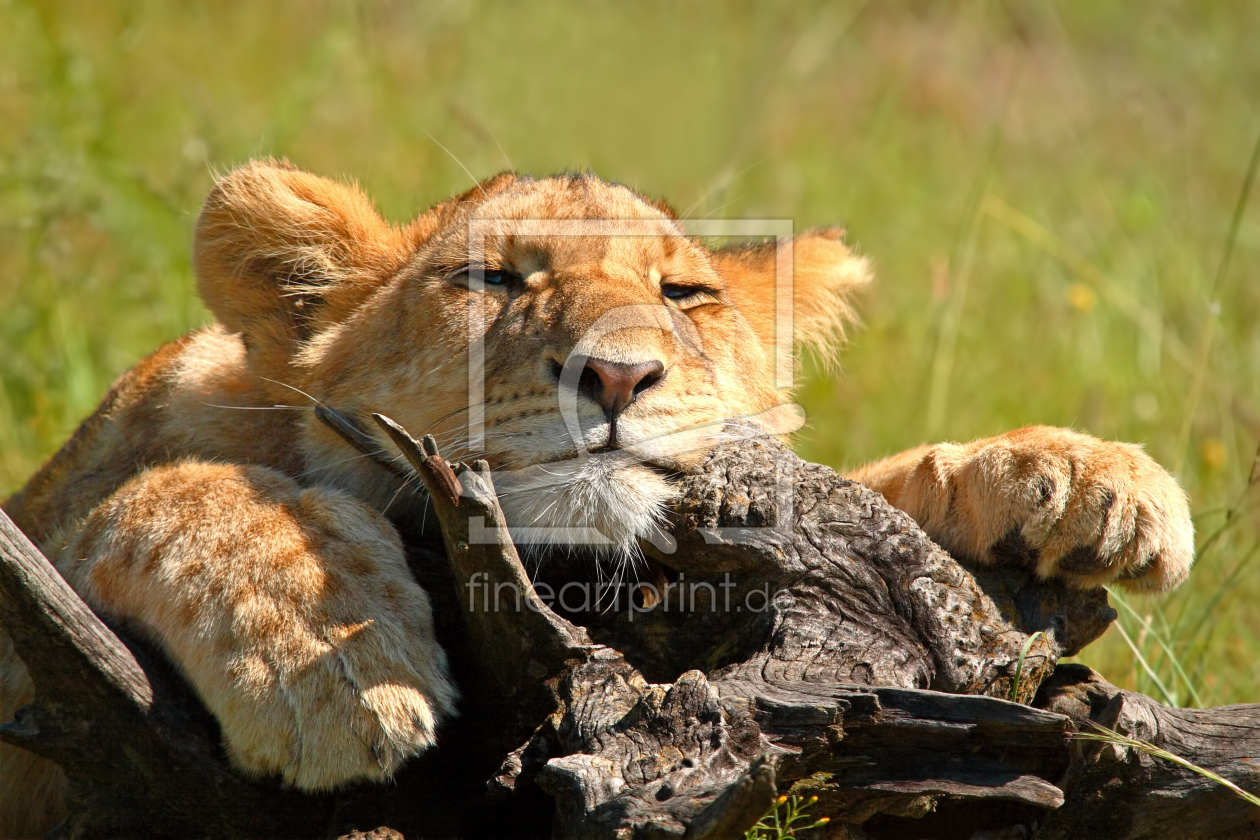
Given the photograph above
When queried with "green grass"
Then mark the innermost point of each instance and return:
(1047, 191)
(786, 819)
(1019, 664)
(1124, 743)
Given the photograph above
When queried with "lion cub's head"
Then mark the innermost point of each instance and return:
(565, 329)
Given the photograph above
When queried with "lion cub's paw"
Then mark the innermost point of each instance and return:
(354, 701)
(1086, 510)
(332, 670)
(290, 610)
(356, 710)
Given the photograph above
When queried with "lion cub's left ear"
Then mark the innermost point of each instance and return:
(825, 277)
(281, 253)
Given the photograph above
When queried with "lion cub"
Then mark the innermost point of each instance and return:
(525, 321)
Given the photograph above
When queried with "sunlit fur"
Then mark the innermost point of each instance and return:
(204, 502)
(1095, 512)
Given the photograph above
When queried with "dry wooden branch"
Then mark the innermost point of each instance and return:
(592, 690)
(1123, 792)
(857, 598)
(519, 647)
(817, 641)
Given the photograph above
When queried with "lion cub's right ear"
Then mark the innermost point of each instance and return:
(281, 254)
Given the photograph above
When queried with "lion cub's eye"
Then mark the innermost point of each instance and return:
(500, 277)
(688, 295)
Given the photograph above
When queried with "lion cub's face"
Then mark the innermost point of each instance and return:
(564, 329)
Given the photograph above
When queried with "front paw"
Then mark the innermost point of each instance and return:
(1089, 511)
(353, 702)
(346, 681)
(292, 612)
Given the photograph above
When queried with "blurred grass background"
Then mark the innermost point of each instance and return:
(1047, 190)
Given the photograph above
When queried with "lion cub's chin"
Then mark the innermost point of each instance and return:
(603, 502)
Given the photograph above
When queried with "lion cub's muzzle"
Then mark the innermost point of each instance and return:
(611, 385)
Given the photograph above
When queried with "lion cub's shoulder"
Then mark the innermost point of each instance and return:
(192, 398)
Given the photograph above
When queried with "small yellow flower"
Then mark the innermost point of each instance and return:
(1082, 297)
(1214, 454)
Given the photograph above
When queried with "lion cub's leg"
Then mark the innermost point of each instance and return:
(1090, 511)
(290, 611)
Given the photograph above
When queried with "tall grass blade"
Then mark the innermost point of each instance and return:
(1109, 736)
(1169, 697)
(961, 263)
(1171, 655)
(1214, 308)
(1019, 665)
(1209, 608)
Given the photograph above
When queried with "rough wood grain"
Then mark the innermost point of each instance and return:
(622, 754)
(808, 637)
(1118, 792)
(624, 748)
(855, 597)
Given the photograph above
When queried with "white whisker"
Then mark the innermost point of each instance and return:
(356, 457)
(292, 388)
(460, 162)
(409, 480)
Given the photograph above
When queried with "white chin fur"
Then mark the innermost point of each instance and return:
(601, 502)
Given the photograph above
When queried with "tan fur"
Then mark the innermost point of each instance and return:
(249, 541)
(824, 277)
(1095, 511)
(318, 658)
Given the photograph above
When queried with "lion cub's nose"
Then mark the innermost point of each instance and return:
(614, 385)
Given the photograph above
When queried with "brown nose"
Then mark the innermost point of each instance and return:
(614, 385)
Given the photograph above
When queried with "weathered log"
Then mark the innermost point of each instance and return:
(855, 596)
(1123, 792)
(821, 644)
(514, 647)
(625, 748)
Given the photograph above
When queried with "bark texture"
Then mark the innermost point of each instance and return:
(804, 637)
(1124, 792)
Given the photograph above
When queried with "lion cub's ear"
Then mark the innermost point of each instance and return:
(281, 253)
(825, 277)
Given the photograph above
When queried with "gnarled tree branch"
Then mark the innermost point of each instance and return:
(807, 637)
